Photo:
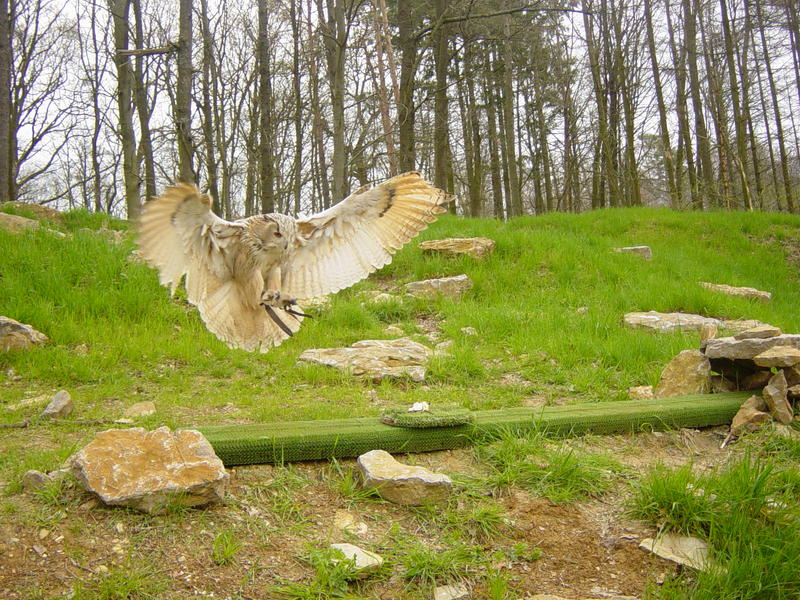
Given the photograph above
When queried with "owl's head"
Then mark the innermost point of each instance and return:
(268, 233)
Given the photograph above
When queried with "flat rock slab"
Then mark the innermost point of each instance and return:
(19, 336)
(17, 224)
(402, 484)
(364, 561)
(751, 416)
(140, 409)
(449, 287)
(667, 322)
(748, 349)
(477, 247)
(377, 359)
(146, 470)
(743, 292)
(643, 251)
(684, 550)
(778, 356)
(765, 331)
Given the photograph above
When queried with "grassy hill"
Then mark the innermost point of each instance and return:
(116, 334)
(118, 338)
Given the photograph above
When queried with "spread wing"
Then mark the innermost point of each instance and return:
(342, 245)
(179, 235)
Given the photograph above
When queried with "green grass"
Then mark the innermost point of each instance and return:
(749, 514)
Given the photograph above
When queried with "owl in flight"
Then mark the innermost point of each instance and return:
(247, 276)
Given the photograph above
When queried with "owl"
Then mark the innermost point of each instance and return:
(248, 277)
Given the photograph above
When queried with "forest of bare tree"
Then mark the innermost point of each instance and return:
(289, 105)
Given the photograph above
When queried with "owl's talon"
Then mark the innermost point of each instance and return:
(275, 299)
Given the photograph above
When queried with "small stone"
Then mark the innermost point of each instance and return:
(19, 336)
(751, 416)
(393, 330)
(345, 521)
(449, 287)
(101, 569)
(402, 484)
(469, 331)
(787, 432)
(641, 392)
(477, 247)
(40, 550)
(643, 251)
(34, 480)
(778, 356)
(365, 561)
(776, 399)
(28, 402)
(793, 391)
(443, 348)
(688, 373)
(60, 406)
(684, 550)
(141, 409)
(43, 533)
(708, 332)
(454, 591)
(758, 333)
(582, 310)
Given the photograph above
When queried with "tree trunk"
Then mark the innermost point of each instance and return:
(143, 108)
(335, 46)
(705, 172)
(208, 112)
(323, 198)
(183, 93)
(120, 9)
(440, 100)
(493, 142)
(666, 146)
(508, 119)
(738, 113)
(406, 112)
(297, 181)
(5, 103)
(266, 173)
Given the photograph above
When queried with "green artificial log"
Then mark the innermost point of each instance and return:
(342, 438)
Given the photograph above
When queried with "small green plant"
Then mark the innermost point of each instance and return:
(134, 580)
(331, 578)
(546, 468)
(425, 565)
(347, 482)
(225, 547)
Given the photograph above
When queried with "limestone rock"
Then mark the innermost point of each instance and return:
(469, 331)
(744, 292)
(402, 484)
(751, 416)
(378, 297)
(365, 561)
(760, 332)
(776, 399)
(25, 403)
(346, 521)
(393, 330)
(477, 247)
(778, 356)
(641, 392)
(140, 409)
(688, 373)
(145, 470)
(454, 591)
(737, 326)
(643, 251)
(684, 550)
(60, 406)
(377, 359)
(668, 322)
(17, 224)
(731, 348)
(450, 287)
(18, 336)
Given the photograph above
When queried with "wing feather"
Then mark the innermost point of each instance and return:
(342, 245)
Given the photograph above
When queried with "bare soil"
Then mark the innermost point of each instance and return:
(588, 550)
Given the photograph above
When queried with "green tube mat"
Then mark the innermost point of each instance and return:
(341, 438)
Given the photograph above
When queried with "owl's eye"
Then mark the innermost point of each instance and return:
(278, 234)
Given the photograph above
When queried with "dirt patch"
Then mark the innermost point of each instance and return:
(276, 514)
